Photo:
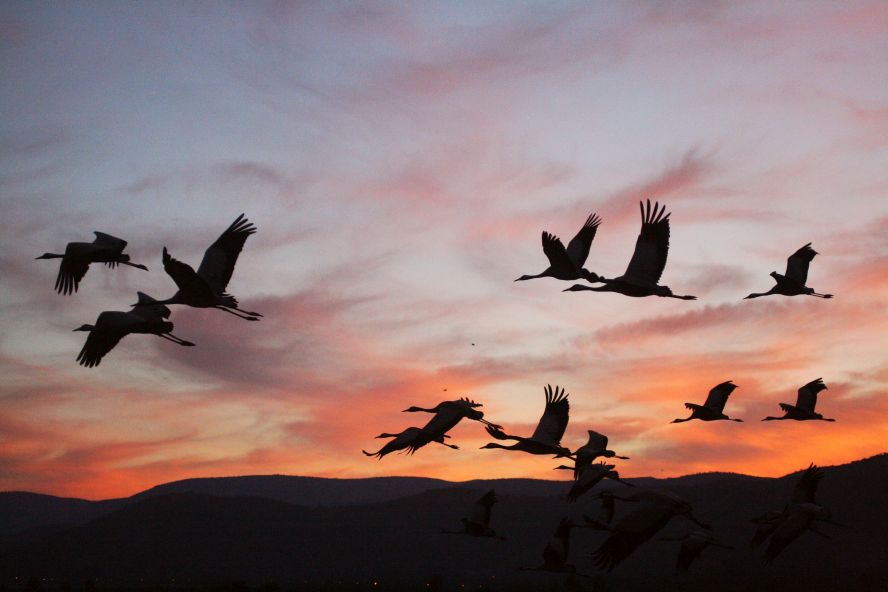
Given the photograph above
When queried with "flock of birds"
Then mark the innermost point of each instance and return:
(206, 288)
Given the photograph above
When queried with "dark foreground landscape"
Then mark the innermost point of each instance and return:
(296, 533)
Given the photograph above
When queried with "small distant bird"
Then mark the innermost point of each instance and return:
(479, 524)
(587, 453)
(411, 440)
(635, 528)
(105, 249)
(793, 282)
(206, 287)
(546, 439)
(713, 408)
(692, 545)
(648, 261)
(567, 264)
(804, 408)
(589, 477)
(147, 317)
(557, 550)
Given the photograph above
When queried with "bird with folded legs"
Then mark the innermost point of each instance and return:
(75, 262)
(713, 408)
(643, 274)
(792, 283)
(546, 439)
(567, 264)
(806, 401)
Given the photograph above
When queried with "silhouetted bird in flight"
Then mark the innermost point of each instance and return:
(479, 523)
(648, 261)
(635, 528)
(692, 545)
(800, 515)
(803, 492)
(449, 413)
(607, 510)
(587, 453)
(105, 249)
(567, 264)
(146, 317)
(411, 440)
(557, 550)
(713, 408)
(206, 287)
(546, 439)
(793, 282)
(589, 477)
(804, 408)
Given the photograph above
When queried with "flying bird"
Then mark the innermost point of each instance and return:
(567, 264)
(479, 523)
(411, 440)
(792, 283)
(450, 413)
(635, 528)
(648, 261)
(692, 545)
(111, 326)
(105, 249)
(589, 477)
(206, 287)
(587, 453)
(546, 439)
(713, 408)
(557, 550)
(803, 410)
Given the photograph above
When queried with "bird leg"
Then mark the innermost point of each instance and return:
(238, 313)
(174, 339)
(454, 446)
(821, 295)
(136, 265)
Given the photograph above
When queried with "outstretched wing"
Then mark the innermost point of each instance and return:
(554, 420)
(596, 441)
(651, 248)
(806, 487)
(578, 247)
(106, 241)
(218, 261)
(71, 270)
(556, 253)
(182, 273)
(808, 394)
(797, 264)
(100, 341)
(718, 396)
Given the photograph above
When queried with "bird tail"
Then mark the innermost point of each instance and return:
(229, 301)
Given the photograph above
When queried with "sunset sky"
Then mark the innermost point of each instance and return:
(400, 162)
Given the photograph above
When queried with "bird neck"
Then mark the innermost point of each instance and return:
(51, 256)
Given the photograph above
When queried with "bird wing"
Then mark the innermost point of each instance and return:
(72, 269)
(554, 420)
(182, 273)
(578, 247)
(629, 533)
(556, 253)
(718, 396)
(596, 442)
(797, 264)
(807, 398)
(106, 241)
(148, 308)
(442, 422)
(109, 330)
(651, 248)
(219, 259)
(806, 487)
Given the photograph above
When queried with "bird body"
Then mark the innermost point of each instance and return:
(692, 545)
(587, 453)
(567, 264)
(792, 283)
(643, 274)
(713, 408)
(75, 263)
(411, 440)
(450, 413)
(557, 550)
(590, 476)
(803, 410)
(546, 439)
(111, 326)
(479, 523)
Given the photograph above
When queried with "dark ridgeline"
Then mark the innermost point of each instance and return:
(206, 287)
(478, 525)
(692, 545)
(546, 438)
(803, 410)
(713, 408)
(105, 249)
(643, 274)
(793, 282)
(148, 316)
(567, 264)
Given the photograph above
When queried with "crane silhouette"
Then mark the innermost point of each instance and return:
(111, 326)
(567, 264)
(648, 261)
(587, 453)
(792, 283)
(546, 439)
(803, 410)
(478, 524)
(206, 287)
(75, 262)
(557, 550)
(692, 545)
(803, 492)
(589, 477)
(713, 408)
(635, 528)
(450, 413)
(411, 440)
